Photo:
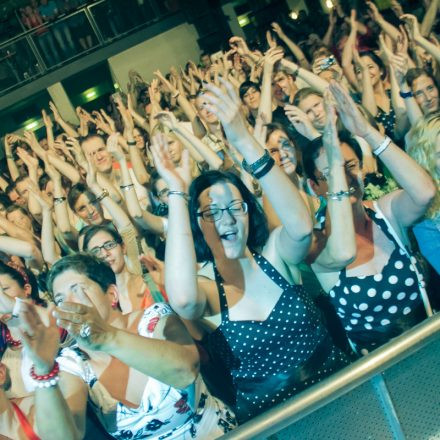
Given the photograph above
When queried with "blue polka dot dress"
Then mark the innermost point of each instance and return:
(376, 308)
(274, 359)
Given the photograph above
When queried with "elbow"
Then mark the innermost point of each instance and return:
(187, 375)
(345, 256)
(426, 196)
(184, 307)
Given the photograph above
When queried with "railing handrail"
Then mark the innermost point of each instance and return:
(47, 24)
(339, 383)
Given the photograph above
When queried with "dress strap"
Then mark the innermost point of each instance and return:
(27, 427)
(271, 272)
(222, 295)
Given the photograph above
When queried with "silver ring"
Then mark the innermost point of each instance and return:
(85, 330)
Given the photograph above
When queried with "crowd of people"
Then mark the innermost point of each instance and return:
(205, 247)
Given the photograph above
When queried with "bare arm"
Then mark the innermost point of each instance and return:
(429, 18)
(12, 166)
(295, 234)
(294, 48)
(387, 27)
(272, 56)
(314, 81)
(68, 129)
(418, 189)
(170, 356)
(347, 53)
(340, 247)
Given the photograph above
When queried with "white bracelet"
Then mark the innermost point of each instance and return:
(47, 383)
(383, 146)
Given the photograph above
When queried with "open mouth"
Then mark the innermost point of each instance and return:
(229, 236)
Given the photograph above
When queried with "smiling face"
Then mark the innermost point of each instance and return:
(139, 139)
(90, 212)
(204, 114)
(251, 98)
(114, 257)
(313, 107)
(372, 69)
(228, 235)
(97, 150)
(75, 287)
(283, 152)
(283, 86)
(20, 219)
(426, 94)
(353, 172)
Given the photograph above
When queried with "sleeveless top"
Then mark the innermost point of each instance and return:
(376, 308)
(271, 360)
(164, 411)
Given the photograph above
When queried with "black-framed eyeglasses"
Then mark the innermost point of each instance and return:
(108, 246)
(214, 214)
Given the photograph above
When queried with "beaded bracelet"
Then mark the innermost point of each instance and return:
(46, 380)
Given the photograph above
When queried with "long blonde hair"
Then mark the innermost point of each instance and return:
(421, 144)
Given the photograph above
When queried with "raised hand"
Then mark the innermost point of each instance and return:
(349, 114)
(91, 173)
(412, 26)
(301, 122)
(374, 12)
(101, 123)
(44, 201)
(114, 148)
(41, 342)
(30, 161)
(272, 56)
(168, 120)
(155, 267)
(75, 317)
(46, 119)
(51, 171)
(277, 29)
(177, 178)
(270, 40)
(56, 113)
(330, 136)
(399, 65)
(239, 45)
(226, 105)
(127, 119)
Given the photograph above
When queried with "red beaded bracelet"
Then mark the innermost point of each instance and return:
(44, 377)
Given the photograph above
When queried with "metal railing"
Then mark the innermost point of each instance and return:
(37, 51)
(339, 384)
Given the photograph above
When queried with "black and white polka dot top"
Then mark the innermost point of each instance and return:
(271, 360)
(376, 308)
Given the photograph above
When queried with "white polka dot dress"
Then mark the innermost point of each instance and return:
(274, 359)
(373, 309)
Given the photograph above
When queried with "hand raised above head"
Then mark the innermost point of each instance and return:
(350, 115)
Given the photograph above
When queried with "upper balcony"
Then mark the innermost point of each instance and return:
(42, 49)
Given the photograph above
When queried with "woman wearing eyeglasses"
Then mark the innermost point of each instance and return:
(135, 291)
(264, 330)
